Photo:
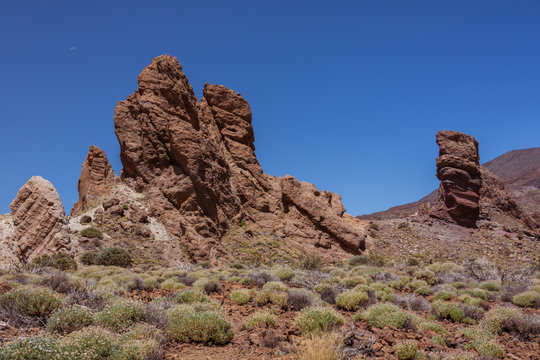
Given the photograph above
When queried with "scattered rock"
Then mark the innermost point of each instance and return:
(85, 219)
(116, 210)
(110, 203)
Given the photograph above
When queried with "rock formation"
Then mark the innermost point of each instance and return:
(95, 181)
(458, 169)
(195, 160)
(40, 224)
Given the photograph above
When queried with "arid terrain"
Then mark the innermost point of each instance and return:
(194, 252)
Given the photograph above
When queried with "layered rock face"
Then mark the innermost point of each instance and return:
(196, 162)
(95, 181)
(458, 169)
(40, 224)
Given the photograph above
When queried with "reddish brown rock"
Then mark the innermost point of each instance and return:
(196, 163)
(40, 224)
(458, 169)
(95, 181)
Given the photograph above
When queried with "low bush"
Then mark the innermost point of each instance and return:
(411, 302)
(240, 297)
(285, 273)
(259, 319)
(58, 261)
(407, 351)
(190, 296)
(426, 275)
(443, 295)
(527, 299)
(58, 281)
(34, 302)
(206, 327)
(69, 319)
(494, 319)
(212, 286)
(358, 260)
(262, 277)
(448, 311)
(93, 343)
(36, 348)
(311, 262)
(328, 294)
(524, 327)
(89, 258)
(320, 346)
(120, 316)
(115, 256)
(382, 315)
(316, 319)
(352, 300)
(91, 232)
(299, 299)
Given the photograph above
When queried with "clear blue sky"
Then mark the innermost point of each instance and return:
(347, 95)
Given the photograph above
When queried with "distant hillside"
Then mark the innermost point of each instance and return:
(519, 170)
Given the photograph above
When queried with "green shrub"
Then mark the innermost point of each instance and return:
(493, 319)
(358, 260)
(91, 232)
(449, 311)
(93, 343)
(142, 342)
(316, 319)
(259, 319)
(417, 284)
(190, 296)
(407, 351)
(385, 314)
(89, 258)
(403, 225)
(490, 286)
(353, 281)
(274, 286)
(484, 342)
(31, 301)
(120, 316)
(432, 326)
(58, 261)
(479, 294)
(69, 319)
(373, 226)
(240, 297)
(207, 327)
(443, 295)
(114, 256)
(427, 275)
(352, 300)
(438, 340)
(527, 299)
(36, 348)
(284, 273)
(311, 262)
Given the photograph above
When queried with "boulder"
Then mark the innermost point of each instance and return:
(39, 220)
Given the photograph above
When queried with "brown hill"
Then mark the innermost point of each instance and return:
(519, 170)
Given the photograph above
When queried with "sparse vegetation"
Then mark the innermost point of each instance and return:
(91, 232)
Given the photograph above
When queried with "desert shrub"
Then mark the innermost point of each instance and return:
(352, 281)
(142, 342)
(187, 279)
(36, 348)
(58, 261)
(299, 299)
(413, 261)
(280, 299)
(262, 277)
(493, 320)
(285, 273)
(93, 343)
(443, 295)
(69, 319)
(259, 319)
(31, 301)
(91, 232)
(484, 342)
(449, 311)
(407, 351)
(274, 286)
(376, 260)
(89, 258)
(352, 300)
(373, 226)
(527, 299)
(240, 297)
(426, 275)
(524, 327)
(190, 296)
(358, 260)
(212, 286)
(316, 319)
(417, 284)
(432, 326)
(438, 340)
(490, 286)
(205, 264)
(135, 283)
(120, 316)
(114, 256)
(328, 294)
(480, 294)
(471, 312)
(385, 314)
(83, 295)
(207, 327)
(411, 302)
(319, 346)
(311, 262)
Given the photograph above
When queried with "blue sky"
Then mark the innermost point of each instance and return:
(347, 95)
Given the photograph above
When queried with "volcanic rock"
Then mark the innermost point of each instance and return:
(110, 203)
(40, 224)
(458, 169)
(95, 181)
(85, 219)
(195, 161)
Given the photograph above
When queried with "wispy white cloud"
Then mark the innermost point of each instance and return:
(73, 48)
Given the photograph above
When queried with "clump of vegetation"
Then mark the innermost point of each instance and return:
(114, 256)
(316, 319)
(358, 260)
(444, 295)
(284, 273)
(259, 319)
(426, 275)
(319, 346)
(493, 320)
(240, 297)
(89, 258)
(299, 299)
(93, 343)
(311, 262)
(352, 300)
(69, 319)
(58, 261)
(35, 348)
(407, 351)
(190, 296)
(449, 311)
(91, 232)
(206, 327)
(386, 314)
(120, 316)
(527, 299)
(34, 302)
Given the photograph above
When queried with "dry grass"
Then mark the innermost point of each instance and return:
(323, 346)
